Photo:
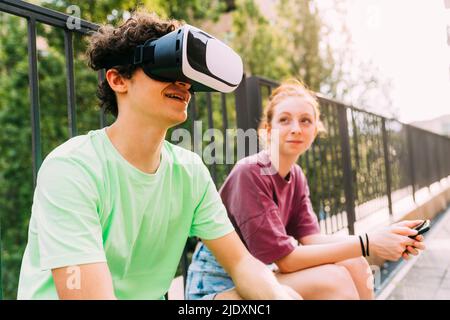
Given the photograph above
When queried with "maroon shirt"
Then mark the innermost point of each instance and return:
(267, 210)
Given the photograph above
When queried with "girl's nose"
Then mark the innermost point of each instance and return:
(295, 128)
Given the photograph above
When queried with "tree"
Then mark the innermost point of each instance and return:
(355, 80)
(312, 43)
(308, 54)
(112, 11)
(259, 42)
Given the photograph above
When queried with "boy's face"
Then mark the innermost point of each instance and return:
(162, 103)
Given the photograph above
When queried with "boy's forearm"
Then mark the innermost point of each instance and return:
(251, 277)
(254, 280)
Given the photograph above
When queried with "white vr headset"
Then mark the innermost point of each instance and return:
(188, 55)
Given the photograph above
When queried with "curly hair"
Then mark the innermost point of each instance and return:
(109, 41)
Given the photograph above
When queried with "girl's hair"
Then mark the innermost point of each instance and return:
(115, 41)
(290, 88)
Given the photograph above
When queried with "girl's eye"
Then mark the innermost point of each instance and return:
(306, 120)
(284, 120)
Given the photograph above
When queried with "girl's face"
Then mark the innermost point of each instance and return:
(295, 124)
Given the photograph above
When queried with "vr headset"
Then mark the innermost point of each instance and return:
(188, 55)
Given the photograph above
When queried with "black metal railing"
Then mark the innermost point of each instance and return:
(35, 14)
(364, 163)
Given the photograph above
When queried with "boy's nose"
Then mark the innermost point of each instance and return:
(185, 85)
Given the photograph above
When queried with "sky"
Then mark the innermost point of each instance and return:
(407, 40)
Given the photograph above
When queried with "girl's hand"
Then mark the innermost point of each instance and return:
(412, 250)
(391, 242)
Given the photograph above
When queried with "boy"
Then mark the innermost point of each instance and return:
(112, 209)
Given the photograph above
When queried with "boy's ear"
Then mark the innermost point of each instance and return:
(116, 81)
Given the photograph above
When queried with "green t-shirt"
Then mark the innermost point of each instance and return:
(91, 205)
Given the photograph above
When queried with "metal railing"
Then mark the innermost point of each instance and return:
(363, 163)
(35, 14)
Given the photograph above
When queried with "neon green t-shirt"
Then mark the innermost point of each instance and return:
(91, 205)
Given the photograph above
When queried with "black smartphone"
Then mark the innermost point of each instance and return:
(422, 228)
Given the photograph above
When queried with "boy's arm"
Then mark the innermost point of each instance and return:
(253, 279)
(87, 282)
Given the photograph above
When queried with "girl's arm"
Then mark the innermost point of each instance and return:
(389, 243)
(304, 257)
(319, 238)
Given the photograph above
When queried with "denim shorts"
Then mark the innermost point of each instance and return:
(205, 277)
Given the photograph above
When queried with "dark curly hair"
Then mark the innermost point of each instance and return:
(116, 41)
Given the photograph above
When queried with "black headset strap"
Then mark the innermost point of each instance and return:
(142, 54)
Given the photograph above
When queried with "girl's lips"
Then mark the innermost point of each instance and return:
(297, 142)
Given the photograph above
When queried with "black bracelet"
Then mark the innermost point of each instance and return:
(367, 245)
(362, 246)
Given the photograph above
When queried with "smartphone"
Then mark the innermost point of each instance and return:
(422, 228)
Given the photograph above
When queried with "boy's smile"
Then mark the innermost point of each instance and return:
(177, 93)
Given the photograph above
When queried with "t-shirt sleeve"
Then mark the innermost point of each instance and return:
(65, 205)
(210, 219)
(249, 200)
(305, 221)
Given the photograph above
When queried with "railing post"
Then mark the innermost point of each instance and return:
(213, 139)
(248, 103)
(34, 98)
(387, 164)
(225, 128)
(411, 161)
(240, 96)
(242, 110)
(254, 101)
(71, 111)
(348, 174)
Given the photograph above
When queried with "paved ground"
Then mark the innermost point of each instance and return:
(427, 276)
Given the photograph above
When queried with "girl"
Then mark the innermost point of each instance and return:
(267, 200)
